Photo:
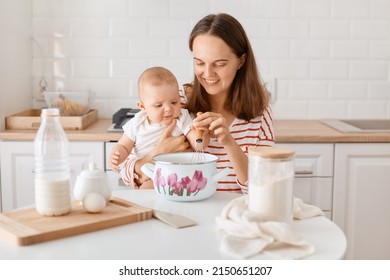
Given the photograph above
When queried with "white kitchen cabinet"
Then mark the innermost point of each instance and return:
(361, 202)
(17, 164)
(313, 181)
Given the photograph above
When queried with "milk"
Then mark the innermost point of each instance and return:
(52, 198)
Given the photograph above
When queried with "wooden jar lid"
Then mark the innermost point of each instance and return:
(272, 152)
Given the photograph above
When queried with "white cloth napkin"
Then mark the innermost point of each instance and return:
(244, 234)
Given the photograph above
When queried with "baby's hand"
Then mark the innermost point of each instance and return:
(114, 160)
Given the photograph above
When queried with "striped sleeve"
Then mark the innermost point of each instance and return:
(127, 171)
(257, 132)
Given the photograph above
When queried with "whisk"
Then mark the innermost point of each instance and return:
(198, 156)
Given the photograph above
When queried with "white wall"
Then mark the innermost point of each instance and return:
(15, 57)
(330, 57)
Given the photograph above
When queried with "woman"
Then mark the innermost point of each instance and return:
(227, 88)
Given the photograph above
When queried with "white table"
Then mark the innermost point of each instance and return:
(153, 239)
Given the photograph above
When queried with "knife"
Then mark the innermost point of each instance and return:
(173, 220)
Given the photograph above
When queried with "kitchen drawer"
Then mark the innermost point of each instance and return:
(312, 159)
(107, 150)
(313, 182)
(316, 191)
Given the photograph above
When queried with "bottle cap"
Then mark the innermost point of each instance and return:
(50, 112)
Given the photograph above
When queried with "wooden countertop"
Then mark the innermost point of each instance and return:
(95, 132)
(314, 131)
(287, 131)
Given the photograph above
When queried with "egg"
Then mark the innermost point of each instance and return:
(94, 202)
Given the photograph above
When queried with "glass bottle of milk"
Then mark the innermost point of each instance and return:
(51, 166)
(270, 183)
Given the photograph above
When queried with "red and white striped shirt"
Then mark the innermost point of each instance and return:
(256, 132)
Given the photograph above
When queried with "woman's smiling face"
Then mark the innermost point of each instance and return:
(215, 64)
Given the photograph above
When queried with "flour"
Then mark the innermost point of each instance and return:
(272, 199)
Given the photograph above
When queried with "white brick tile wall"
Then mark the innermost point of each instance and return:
(369, 70)
(290, 28)
(309, 90)
(351, 50)
(380, 9)
(149, 48)
(90, 27)
(291, 109)
(15, 58)
(236, 8)
(271, 8)
(388, 110)
(188, 8)
(169, 28)
(311, 8)
(366, 109)
(326, 55)
(329, 70)
(256, 28)
(90, 68)
(351, 9)
(328, 110)
(118, 47)
(128, 68)
(310, 49)
(47, 27)
(178, 48)
(149, 8)
(272, 49)
(370, 29)
(62, 68)
(330, 29)
(129, 27)
(380, 50)
(347, 90)
(289, 69)
(379, 90)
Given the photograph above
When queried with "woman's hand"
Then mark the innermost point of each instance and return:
(166, 144)
(216, 125)
(169, 143)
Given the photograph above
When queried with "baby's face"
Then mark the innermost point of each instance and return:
(161, 103)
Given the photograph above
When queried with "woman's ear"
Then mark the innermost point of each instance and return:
(242, 60)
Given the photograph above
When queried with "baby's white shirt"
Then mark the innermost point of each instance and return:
(146, 135)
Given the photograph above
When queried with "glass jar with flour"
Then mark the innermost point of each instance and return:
(270, 183)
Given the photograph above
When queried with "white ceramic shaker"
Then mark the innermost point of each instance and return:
(270, 183)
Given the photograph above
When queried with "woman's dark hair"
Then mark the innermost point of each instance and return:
(247, 98)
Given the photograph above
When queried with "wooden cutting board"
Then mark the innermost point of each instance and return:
(26, 227)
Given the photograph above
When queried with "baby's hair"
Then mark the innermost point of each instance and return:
(156, 76)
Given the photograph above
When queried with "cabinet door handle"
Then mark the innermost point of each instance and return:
(304, 172)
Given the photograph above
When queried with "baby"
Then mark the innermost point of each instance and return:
(159, 102)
